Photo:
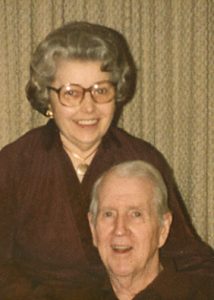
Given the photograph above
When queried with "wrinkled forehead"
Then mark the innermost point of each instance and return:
(130, 191)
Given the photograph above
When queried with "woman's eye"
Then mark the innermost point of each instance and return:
(72, 93)
(101, 91)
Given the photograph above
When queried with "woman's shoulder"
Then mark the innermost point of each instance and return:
(134, 144)
(27, 151)
(130, 147)
(30, 140)
(125, 137)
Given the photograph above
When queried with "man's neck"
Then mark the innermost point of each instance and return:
(127, 287)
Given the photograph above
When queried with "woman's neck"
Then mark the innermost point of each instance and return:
(81, 157)
(81, 149)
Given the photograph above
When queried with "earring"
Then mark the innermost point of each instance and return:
(49, 114)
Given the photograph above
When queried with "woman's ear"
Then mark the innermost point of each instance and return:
(165, 228)
(49, 112)
(93, 228)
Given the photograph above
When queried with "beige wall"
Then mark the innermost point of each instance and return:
(172, 42)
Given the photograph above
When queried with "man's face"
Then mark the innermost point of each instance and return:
(127, 231)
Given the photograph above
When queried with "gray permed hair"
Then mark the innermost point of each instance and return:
(82, 41)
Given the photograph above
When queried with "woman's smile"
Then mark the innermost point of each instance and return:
(82, 126)
(87, 123)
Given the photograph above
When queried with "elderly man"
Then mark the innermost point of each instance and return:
(130, 221)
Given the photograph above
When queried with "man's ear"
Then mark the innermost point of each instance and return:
(92, 227)
(165, 228)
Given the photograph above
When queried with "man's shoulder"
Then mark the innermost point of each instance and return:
(181, 285)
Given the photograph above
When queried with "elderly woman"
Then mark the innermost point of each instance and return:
(80, 75)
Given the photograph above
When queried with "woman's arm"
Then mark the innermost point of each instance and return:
(14, 284)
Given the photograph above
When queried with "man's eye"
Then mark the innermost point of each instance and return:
(136, 214)
(108, 214)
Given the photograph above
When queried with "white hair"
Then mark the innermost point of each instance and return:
(139, 169)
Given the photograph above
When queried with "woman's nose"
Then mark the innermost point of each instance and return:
(88, 105)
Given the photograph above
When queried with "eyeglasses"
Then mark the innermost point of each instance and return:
(73, 94)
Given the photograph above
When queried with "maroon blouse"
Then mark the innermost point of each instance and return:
(44, 233)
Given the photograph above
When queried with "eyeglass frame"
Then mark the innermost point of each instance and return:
(89, 89)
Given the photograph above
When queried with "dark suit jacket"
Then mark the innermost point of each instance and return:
(171, 284)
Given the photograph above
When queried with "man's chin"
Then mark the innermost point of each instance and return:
(120, 272)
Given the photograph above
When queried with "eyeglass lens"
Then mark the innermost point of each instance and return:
(73, 94)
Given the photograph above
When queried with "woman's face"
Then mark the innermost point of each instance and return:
(81, 127)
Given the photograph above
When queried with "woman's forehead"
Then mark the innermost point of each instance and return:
(80, 72)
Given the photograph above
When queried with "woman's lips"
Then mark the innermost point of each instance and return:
(90, 122)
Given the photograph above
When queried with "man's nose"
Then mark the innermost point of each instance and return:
(120, 226)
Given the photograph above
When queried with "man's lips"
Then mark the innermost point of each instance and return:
(121, 248)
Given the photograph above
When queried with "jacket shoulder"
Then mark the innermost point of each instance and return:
(28, 142)
(137, 148)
